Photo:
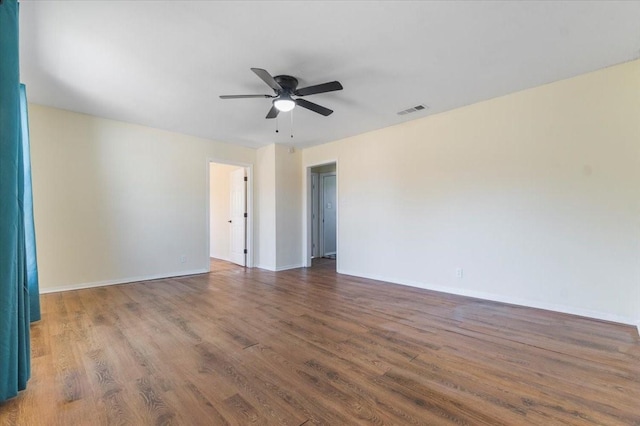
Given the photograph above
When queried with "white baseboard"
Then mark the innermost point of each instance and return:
(284, 268)
(572, 310)
(266, 267)
(279, 268)
(120, 281)
(226, 259)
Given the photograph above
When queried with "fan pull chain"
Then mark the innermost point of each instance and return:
(276, 124)
(291, 124)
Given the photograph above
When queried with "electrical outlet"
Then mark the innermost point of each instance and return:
(459, 272)
(183, 258)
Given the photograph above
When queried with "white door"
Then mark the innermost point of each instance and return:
(238, 220)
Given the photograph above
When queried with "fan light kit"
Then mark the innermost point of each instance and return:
(284, 104)
(284, 88)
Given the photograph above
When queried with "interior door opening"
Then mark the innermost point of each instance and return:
(322, 219)
(229, 218)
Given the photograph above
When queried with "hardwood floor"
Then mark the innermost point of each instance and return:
(309, 346)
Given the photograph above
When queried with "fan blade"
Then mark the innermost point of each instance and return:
(273, 112)
(266, 77)
(320, 88)
(313, 107)
(245, 96)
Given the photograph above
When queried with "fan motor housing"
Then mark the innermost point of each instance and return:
(287, 82)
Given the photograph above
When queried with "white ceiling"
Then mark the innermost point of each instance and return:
(164, 63)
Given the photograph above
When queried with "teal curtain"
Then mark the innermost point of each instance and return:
(17, 255)
(27, 208)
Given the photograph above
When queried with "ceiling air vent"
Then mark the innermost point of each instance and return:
(416, 108)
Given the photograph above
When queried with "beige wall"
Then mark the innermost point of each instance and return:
(219, 210)
(266, 207)
(288, 208)
(535, 195)
(117, 202)
(279, 229)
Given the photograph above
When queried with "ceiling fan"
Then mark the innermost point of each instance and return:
(285, 87)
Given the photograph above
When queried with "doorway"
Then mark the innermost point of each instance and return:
(229, 218)
(322, 218)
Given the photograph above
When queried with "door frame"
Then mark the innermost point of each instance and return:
(249, 170)
(307, 222)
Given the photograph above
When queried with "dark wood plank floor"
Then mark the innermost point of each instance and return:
(309, 346)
